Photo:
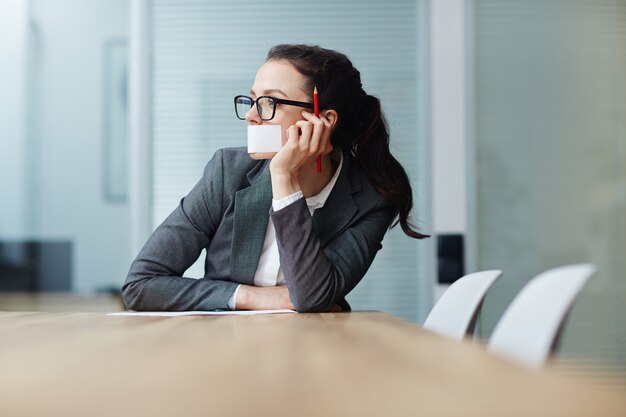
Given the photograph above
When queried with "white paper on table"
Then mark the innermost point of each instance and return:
(199, 313)
(264, 138)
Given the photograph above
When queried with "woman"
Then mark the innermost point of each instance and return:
(278, 234)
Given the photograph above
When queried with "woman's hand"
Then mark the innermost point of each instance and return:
(306, 140)
(268, 298)
(263, 298)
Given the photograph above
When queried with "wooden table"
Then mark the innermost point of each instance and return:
(350, 364)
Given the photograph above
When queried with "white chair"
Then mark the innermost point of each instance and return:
(455, 312)
(529, 327)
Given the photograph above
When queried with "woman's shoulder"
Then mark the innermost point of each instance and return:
(366, 193)
(235, 154)
(235, 158)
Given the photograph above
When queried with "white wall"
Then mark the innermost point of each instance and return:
(448, 85)
(66, 149)
(13, 27)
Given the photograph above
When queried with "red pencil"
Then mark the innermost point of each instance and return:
(316, 110)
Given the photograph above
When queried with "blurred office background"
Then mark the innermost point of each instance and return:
(509, 116)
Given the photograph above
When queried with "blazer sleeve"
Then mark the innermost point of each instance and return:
(155, 280)
(319, 277)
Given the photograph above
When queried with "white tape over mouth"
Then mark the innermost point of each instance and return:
(264, 138)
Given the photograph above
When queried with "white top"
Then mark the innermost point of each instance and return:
(268, 272)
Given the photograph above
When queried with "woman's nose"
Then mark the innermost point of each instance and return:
(252, 116)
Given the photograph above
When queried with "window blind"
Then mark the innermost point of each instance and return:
(550, 105)
(206, 52)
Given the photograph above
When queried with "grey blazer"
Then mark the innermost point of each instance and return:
(323, 256)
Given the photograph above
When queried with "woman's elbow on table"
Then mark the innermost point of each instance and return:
(310, 303)
(131, 295)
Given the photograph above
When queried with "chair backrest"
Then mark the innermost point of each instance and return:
(528, 329)
(453, 314)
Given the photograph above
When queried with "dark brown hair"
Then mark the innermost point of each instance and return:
(361, 126)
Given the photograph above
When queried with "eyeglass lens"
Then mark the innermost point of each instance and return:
(265, 107)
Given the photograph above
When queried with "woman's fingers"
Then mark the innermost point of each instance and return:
(306, 140)
(293, 135)
(306, 133)
(320, 138)
(312, 118)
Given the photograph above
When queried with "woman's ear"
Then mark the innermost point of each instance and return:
(332, 117)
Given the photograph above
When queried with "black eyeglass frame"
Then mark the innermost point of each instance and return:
(274, 100)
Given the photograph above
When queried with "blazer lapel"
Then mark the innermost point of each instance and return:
(252, 205)
(340, 207)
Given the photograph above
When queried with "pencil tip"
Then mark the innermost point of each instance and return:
(315, 90)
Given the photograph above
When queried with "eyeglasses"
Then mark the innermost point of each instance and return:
(265, 106)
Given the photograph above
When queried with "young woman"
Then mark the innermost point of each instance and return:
(278, 234)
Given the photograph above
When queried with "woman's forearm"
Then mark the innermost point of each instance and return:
(263, 298)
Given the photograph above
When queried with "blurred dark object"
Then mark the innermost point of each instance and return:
(35, 266)
(450, 258)
(110, 290)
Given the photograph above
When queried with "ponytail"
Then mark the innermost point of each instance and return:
(371, 149)
(361, 126)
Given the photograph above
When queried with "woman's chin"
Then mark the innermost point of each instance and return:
(262, 155)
